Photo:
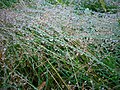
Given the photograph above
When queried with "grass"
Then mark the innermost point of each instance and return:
(37, 56)
(7, 3)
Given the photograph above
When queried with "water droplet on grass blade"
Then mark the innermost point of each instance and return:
(51, 39)
(43, 42)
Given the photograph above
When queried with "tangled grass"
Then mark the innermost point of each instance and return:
(51, 47)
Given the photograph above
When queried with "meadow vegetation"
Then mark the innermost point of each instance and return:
(59, 45)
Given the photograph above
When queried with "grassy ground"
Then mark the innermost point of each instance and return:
(58, 47)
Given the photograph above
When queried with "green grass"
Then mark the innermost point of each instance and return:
(34, 56)
(7, 3)
(100, 6)
(31, 62)
(95, 5)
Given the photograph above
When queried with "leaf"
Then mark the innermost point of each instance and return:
(0, 55)
(102, 2)
(60, 1)
(40, 87)
(71, 87)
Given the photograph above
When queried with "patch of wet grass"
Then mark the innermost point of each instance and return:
(36, 58)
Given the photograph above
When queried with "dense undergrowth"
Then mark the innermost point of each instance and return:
(37, 56)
